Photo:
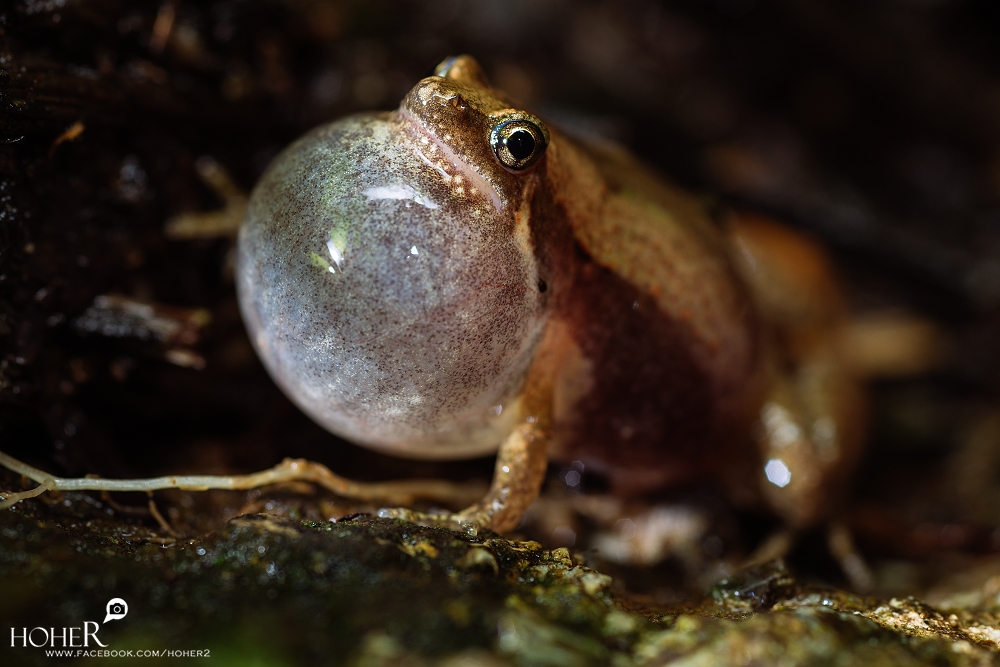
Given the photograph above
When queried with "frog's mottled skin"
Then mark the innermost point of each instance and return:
(412, 294)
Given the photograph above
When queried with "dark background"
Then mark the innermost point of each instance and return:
(874, 125)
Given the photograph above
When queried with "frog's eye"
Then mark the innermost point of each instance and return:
(518, 143)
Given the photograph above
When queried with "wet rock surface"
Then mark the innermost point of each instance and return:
(266, 589)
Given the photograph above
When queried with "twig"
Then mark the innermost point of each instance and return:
(290, 470)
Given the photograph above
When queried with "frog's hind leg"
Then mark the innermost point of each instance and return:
(810, 433)
(813, 408)
(811, 422)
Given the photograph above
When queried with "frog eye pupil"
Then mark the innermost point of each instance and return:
(520, 144)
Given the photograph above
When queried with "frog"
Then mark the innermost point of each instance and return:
(457, 278)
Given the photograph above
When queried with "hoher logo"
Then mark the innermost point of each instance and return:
(75, 642)
(73, 637)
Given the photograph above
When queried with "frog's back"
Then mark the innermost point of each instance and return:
(665, 347)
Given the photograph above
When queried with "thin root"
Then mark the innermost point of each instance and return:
(12, 498)
(290, 470)
(160, 519)
(841, 544)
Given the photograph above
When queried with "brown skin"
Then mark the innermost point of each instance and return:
(635, 334)
(657, 370)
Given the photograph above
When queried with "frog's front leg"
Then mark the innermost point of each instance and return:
(517, 479)
(523, 455)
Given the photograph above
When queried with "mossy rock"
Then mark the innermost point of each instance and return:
(364, 591)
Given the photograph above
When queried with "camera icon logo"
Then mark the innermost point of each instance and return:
(117, 608)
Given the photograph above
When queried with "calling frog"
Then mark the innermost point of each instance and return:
(457, 277)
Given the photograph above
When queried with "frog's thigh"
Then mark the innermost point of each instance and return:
(813, 414)
(790, 276)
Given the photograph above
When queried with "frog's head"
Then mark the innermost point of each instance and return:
(471, 125)
(386, 268)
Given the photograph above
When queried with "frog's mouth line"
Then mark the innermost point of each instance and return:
(467, 170)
